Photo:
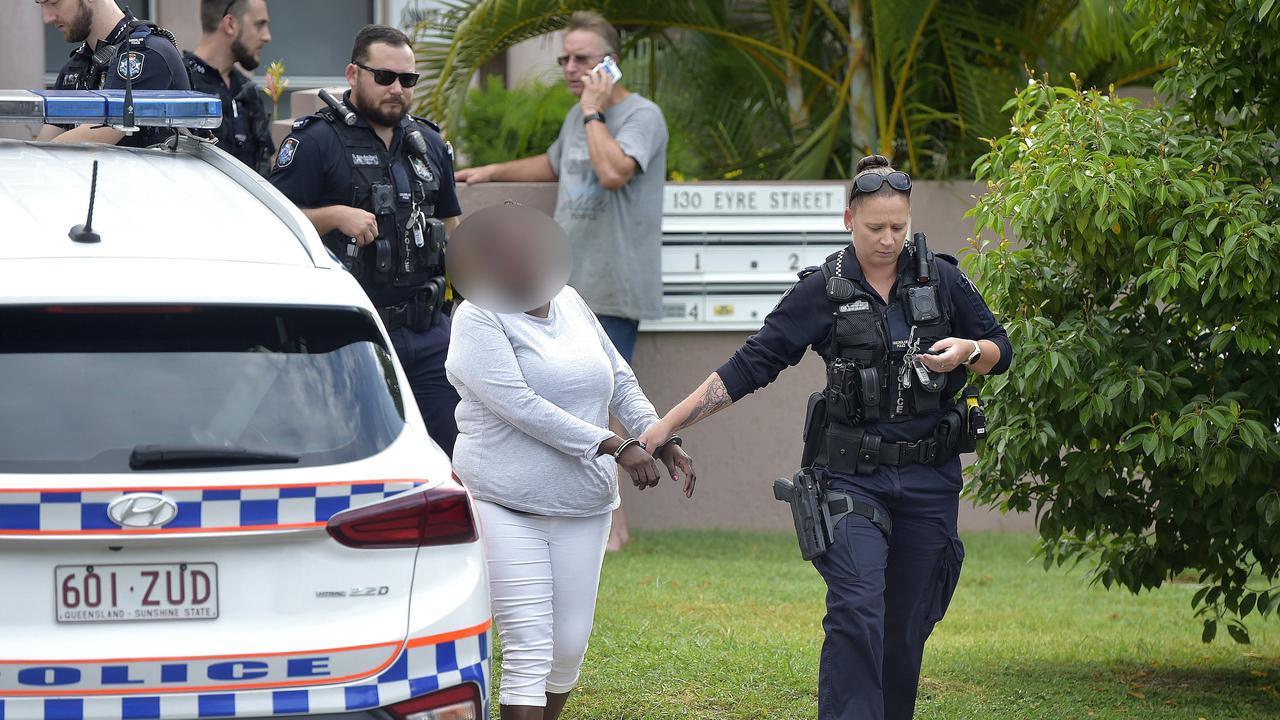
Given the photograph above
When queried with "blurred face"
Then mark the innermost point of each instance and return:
(583, 50)
(878, 226)
(72, 18)
(509, 258)
(383, 105)
(253, 34)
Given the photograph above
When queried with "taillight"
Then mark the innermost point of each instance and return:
(440, 516)
(456, 703)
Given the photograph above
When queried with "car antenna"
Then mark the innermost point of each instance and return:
(84, 233)
(128, 125)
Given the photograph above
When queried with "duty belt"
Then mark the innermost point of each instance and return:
(398, 316)
(419, 313)
(908, 453)
(853, 450)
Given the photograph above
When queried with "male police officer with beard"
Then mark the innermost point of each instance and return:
(378, 185)
(114, 47)
(235, 32)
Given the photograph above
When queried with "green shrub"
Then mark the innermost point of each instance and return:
(501, 124)
(1139, 419)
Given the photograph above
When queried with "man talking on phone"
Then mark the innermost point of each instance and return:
(611, 161)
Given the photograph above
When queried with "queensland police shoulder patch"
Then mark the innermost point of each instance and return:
(287, 150)
(129, 66)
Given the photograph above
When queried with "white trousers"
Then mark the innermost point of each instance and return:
(544, 574)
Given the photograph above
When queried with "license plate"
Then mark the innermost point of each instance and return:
(123, 593)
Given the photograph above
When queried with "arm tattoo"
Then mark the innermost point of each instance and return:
(713, 400)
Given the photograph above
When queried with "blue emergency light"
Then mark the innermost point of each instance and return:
(151, 108)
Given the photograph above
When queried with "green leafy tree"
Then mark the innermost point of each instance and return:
(791, 89)
(507, 124)
(1140, 419)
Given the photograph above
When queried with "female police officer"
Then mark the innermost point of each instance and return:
(899, 329)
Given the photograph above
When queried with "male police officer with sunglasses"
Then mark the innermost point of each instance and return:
(378, 185)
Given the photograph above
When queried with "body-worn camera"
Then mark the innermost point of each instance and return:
(383, 198)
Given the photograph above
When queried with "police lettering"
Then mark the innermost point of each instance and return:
(229, 671)
(238, 670)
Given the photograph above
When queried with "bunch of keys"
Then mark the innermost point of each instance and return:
(912, 364)
(416, 220)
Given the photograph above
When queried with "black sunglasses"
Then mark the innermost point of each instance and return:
(870, 182)
(386, 77)
(227, 10)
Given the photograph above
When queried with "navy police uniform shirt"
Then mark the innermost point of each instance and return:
(150, 60)
(245, 132)
(311, 171)
(803, 319)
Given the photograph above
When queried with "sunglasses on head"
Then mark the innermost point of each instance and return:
(386, 77)
(870, 182)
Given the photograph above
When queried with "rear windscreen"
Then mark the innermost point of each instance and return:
(81, 388)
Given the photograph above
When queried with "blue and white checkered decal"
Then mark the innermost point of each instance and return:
(199, 510)
(418, 671)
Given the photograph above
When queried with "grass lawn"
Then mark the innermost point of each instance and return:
(706, 625)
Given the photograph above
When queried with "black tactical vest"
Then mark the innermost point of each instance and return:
(253, 148)
(400, 257)
(864, 373)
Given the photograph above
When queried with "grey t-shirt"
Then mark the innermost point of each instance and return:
(616, 236)
(536, 398)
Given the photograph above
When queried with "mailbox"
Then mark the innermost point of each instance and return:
(729, 250)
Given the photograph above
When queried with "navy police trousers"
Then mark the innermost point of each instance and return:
(884, 595)
(422, 355)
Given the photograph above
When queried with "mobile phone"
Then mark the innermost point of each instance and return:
(610, 68)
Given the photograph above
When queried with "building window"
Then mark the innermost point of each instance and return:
(313, 38)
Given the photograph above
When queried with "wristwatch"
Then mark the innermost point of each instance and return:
(974, 356)
(593, 116)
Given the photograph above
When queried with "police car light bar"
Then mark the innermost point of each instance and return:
(152, 108)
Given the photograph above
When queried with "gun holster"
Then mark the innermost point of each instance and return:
(816, 511)
(803, 495)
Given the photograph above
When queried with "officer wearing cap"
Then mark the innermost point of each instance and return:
(234, 32)
(115, 47)
(377, 184)
(899, 328)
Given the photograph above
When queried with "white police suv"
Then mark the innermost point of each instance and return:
(217, 498)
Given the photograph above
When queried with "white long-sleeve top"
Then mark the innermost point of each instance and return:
(536, 397)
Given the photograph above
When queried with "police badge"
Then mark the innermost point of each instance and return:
(421, 168)
(129, 66)
(287, 149)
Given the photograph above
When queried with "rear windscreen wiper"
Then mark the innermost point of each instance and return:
(154, 457)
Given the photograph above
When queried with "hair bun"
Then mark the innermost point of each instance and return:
(872, 161)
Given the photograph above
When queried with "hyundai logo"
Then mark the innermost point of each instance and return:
(142, 510)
